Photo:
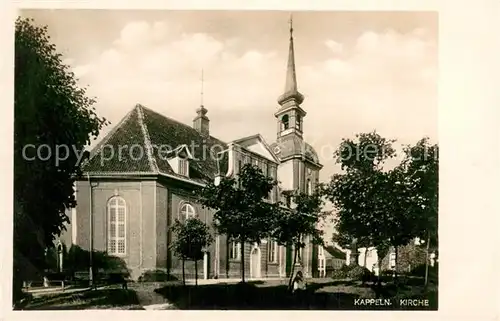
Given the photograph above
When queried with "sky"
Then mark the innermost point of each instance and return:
(359, 71)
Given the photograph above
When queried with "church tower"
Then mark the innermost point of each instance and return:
(299, 168)
(299, 164)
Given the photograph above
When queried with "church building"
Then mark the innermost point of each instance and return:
(141, 177)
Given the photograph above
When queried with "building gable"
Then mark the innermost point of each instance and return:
(257, 145)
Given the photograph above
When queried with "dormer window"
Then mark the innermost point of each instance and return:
(285, 122)
(183, 167)
(179, 160)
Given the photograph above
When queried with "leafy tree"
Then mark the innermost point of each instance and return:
(192, 239)
(241, 209)
(421, 164)
(52, 111)
(299, 221)
(371, 204)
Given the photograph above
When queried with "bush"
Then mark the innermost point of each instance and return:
(359, 273)
(354, 272)
(156, 276)
(339, 274)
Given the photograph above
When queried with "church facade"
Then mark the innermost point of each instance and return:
(143, 175)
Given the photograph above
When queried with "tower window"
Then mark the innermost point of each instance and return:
(297, 122)
(285, 122)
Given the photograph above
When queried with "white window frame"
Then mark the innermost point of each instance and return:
(392, 260)
(321, 252)
(273, 251)
(187, 211)
(116, 203)
(234, 251)
(183, 166)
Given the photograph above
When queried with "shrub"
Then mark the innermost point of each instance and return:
(339, 274)
(156, 276)
(359, 273)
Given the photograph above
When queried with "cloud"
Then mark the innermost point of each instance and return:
(384, 81)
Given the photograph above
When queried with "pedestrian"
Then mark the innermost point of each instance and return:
(298, 282)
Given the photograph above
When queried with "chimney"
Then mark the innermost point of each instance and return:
(201, 121)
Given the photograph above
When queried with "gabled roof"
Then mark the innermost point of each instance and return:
(144, 140)
(247, 142)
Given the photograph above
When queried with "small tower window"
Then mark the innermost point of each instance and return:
(284, 122)
(297, 122)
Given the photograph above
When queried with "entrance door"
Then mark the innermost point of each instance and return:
(255, 263)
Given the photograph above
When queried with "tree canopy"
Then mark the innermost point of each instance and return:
(242, 209)
(54, 120)
(378, 206)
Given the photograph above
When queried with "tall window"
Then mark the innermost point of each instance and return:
(183, 167)
(321, 251)
(117, 219)
(273, 251)
(234, 250)
(297, 122)
(309, 187)
(392, 260)
(187, 211)
(285, 122)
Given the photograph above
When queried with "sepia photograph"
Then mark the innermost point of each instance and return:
(225, 160)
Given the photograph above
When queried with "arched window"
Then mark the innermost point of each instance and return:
(117, 220)
(285, 123)
(187, 211)
(297, 122)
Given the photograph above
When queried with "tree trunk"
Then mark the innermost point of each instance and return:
(292, 268)
(195, 272)
(183, 273)
(227, 258)
(366, 254)
(395, 262)
(427, 259)
(242, 254)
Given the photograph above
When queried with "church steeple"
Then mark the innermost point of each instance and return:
(291, 91)
(290, 115)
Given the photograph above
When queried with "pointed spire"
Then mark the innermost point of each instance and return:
(202, 111)
(201, 87)
(201, 121)
(291, 91)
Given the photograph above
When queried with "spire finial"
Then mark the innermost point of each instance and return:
(201, 86)
(291, 91)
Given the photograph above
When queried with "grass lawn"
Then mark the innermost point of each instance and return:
(112, 298)
(273, 295)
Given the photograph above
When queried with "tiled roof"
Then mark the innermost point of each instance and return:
(145, 131)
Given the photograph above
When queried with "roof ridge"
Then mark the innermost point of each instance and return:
(98, 148)
(178, 122)
(147, 139)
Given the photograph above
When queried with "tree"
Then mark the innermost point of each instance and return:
(192, 239)
(298, 221)
(54, 117)
(372, 203)
(421, 163)
(242, 211)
